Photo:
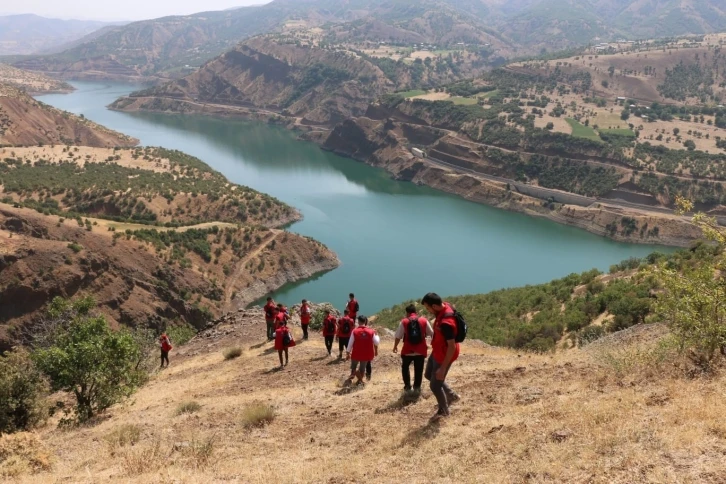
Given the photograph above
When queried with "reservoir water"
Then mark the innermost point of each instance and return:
(396, 240)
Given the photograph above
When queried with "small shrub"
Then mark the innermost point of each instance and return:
(75, 247)
(232, 353)
(180, 334)
(188, 407)
(22, 453)
(23, 389)
(199, 452)
(123, 435)
(141, 459)
(258, 415)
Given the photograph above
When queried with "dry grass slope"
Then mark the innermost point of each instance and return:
(523, 418)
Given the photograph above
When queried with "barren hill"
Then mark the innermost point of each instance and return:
(25, 121)
(32, 82)
(155, 236)
(523, 418)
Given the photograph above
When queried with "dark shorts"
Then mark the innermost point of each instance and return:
(343, 342)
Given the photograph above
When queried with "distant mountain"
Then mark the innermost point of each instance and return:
(31, 34)
(172, 47)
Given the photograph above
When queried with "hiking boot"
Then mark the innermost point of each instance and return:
(453, 398)
(436, 417)
(368, 378)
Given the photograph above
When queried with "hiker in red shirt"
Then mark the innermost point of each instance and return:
(270, 318)
(362, 348)
(413, 330)
(280, 317)
(346, 325)
(283, 341)
(353, 307)
(305, 315)
(329, 329)
(444, 351)
(166, 347)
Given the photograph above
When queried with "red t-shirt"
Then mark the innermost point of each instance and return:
(305, 314)
(351, 307)
(341, 323)
(364, 348)
(438, 343)
(330, 320)
(279, 319)
(269, 307)
(280, 335)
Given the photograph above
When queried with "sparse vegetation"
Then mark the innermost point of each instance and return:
(232, 353)
(188, 407)
(257, 415)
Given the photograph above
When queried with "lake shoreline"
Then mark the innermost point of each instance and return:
(673, 231)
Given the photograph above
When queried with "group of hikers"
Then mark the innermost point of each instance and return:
(360, 343)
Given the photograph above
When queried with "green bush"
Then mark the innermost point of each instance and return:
(181, 333)
(75, 247)
(23, 389)
(85, 357)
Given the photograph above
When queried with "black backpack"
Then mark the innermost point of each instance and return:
(345, 327)
(357, 307)
(413, 335)
(286, 339)
(331, 325)
(461, 327)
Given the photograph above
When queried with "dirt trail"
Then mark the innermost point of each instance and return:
(231, 282)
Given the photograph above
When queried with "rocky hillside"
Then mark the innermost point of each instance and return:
(580, 414)
(31, 82)
(318, 85)
(171, 47)
(25, 121)
(155, 236)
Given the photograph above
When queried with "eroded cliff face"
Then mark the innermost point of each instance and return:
(318, 86)
(385, 143)
(131, 280)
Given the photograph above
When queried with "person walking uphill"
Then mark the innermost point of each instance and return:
(444, 351)
(305, 315)
(413, 330)
(362, 348)
(270, 308)
(346, 325)
(329, 330)
(283, 341)
(166, 347)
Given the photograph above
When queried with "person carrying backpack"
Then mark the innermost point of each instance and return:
(449, 330)
(280, 317)
(329, 330)
(362, 349)
(305, 316)
(166, 347)
(353, 307)
(270, 317)
(283, 341)
(413, 330)
(346, 325)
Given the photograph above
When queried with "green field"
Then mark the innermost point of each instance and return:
(581, 131)
(489, 94)
(466, 101)
(620, 132)
(412, 93)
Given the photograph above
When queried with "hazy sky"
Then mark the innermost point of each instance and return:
(118, 10)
